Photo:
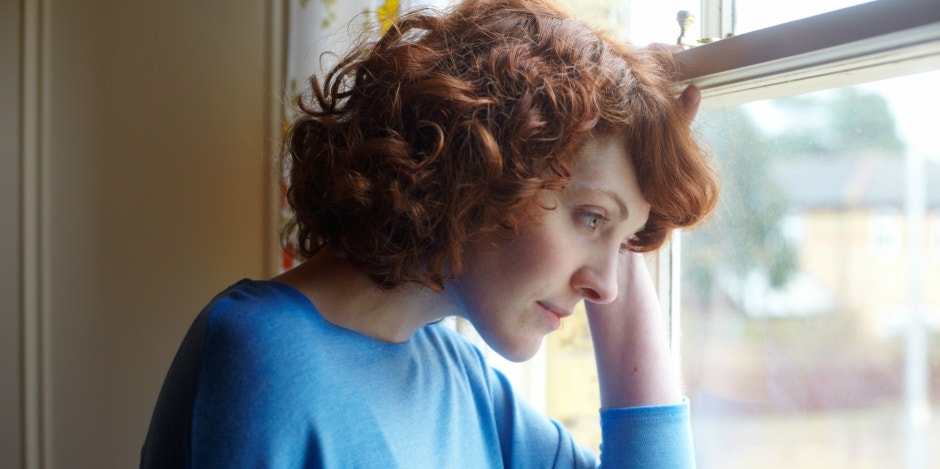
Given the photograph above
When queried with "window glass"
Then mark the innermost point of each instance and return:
(935, 235)
(810, 331)
(643, 22)
(638, 21)
(750, 15)
(885, 234)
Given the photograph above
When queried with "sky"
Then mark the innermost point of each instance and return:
(915, 102)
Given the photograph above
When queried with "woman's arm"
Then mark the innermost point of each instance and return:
(634, 363)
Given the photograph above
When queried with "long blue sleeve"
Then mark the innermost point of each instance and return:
(647, 437)
(262, 380)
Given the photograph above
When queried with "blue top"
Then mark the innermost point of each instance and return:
(263, 380)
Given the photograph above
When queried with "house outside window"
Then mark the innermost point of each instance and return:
(885, 234)
(934, 242)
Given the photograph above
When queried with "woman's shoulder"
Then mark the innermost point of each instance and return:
(259, 320)
(454, 349)
(258, 295)
(256, 303)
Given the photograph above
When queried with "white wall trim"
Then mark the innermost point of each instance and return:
(34, 336)
(276, 76)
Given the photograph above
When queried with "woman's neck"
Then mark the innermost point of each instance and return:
(347, 297)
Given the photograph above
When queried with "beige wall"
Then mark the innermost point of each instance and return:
(154, 123)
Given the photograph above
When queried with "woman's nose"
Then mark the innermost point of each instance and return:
(597, 281)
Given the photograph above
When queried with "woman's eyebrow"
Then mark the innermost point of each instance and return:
(612, 195)
(624, 212)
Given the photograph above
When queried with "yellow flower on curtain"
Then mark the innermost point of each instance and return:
(329, 10)
(387, 14)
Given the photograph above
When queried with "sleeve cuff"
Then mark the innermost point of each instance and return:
(658, 436)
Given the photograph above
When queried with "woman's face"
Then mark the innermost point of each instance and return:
(517, 291)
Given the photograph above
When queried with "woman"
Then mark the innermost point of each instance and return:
(499, 162)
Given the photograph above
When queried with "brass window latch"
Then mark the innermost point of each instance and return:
(686, 19)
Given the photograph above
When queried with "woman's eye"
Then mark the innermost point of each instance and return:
(591, 220)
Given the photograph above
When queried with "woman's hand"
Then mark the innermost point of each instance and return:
(690, 99)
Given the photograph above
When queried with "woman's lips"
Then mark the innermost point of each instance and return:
(555, 314)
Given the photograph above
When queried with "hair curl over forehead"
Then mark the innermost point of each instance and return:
(445, 128)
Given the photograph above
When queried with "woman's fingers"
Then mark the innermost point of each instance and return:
(690, 99)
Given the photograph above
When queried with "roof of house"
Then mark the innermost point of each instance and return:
(856, 181)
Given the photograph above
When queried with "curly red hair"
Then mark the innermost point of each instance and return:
(447, 127)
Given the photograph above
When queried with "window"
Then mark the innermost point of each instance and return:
(837, 359)
(885, 234)
(935, 235)
(803, 341)
(751, 15)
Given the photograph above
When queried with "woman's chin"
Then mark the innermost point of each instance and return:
(518, 351)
